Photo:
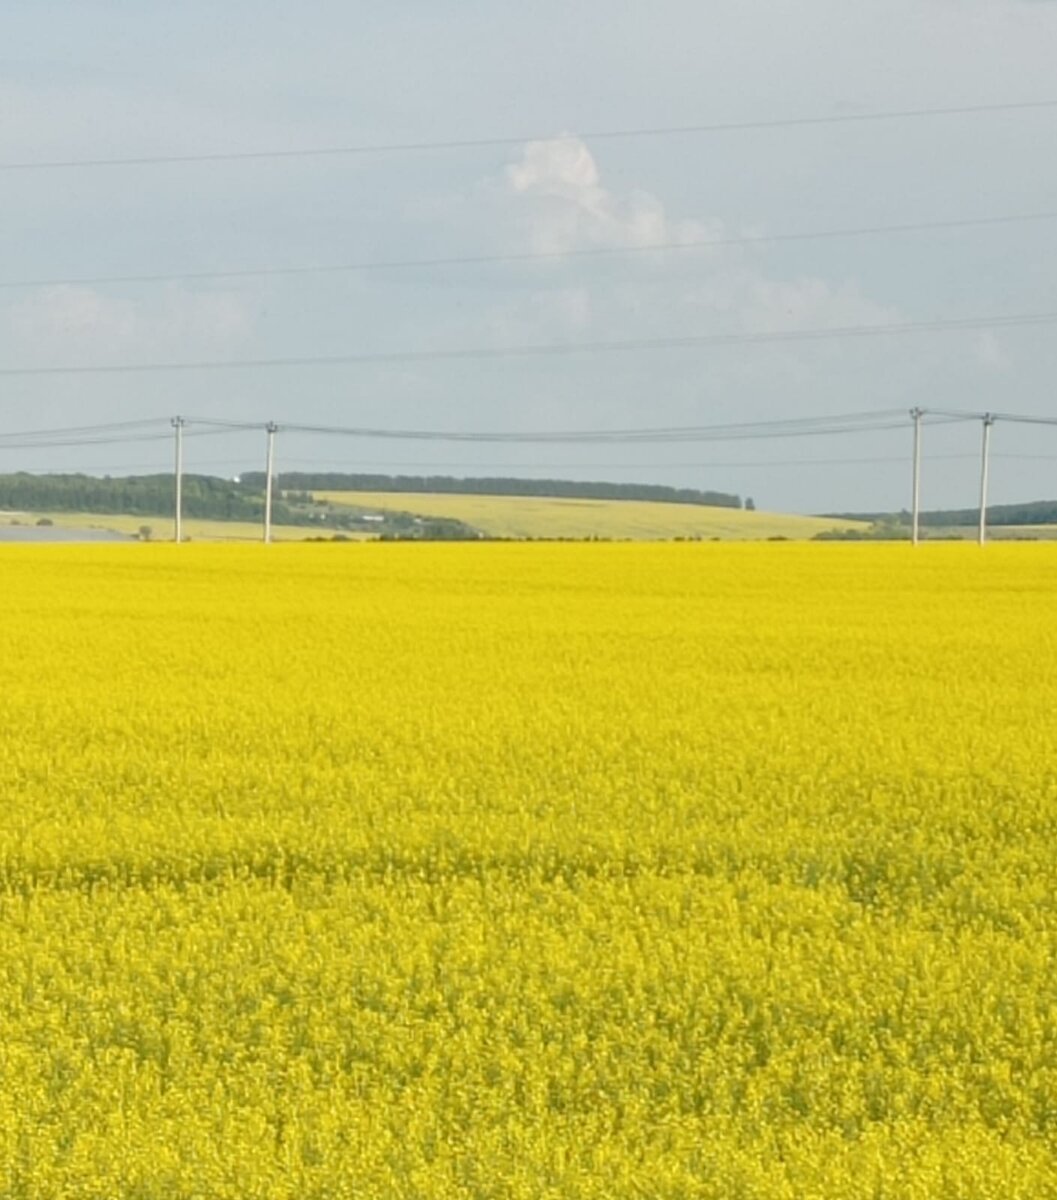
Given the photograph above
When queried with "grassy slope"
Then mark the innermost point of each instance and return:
(538, 516)
(995, 533)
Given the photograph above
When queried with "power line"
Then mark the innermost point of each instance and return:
(551, 349)
(496, 142)
(887, 419)
(48, 443)
(738, 464)
(209, 426)
(72, 430)
(367, 468)
(430, 468)
(1020, 419)
(651, 437)
(804, 426)
(882, 420)
(774, 422)
(64, 439)
(155, 468)
(362, 468)
(469, 260)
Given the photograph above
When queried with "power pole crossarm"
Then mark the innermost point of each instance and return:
(269, 484)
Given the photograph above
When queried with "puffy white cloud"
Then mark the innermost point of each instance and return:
(567, 206)
(562, 204)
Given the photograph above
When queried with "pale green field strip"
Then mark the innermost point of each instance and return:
(996, 533)
(554, 517)
(194, 528)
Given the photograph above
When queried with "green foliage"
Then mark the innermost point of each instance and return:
(1037, 512)
(498, 486)
(885, 530)
(206, 497)
(140, 495)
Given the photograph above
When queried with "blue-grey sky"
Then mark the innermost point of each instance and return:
(102, 79)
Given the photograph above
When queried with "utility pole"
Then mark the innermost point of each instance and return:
(178, 424)
(272, 429)
(915, 529)
(985, 466)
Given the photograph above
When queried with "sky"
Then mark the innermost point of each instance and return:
(97, 80)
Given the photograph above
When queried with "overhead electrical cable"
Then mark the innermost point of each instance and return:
(431, 469)
(47, 443)
(471, 260)
(790, 422)
(209, 426)
(1013, 418)
(124, 433)
(82, 439)
(698, 341)
(802, 427)
(72, 430)
(674, 435)
(410, 147)
(1021, 419)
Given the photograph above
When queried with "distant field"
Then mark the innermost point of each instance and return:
(997, 533)
(162, 527)
(552, 517)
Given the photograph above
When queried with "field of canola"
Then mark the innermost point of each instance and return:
(528, 871)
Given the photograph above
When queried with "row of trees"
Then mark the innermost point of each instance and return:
(208, 497)
(146, 495)
(497, 486)
(1036, 512)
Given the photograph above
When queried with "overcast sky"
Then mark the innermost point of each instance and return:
(106, 79)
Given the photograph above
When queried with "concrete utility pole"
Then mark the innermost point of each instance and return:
(273, 429)
(985, 468)
(178, 424)
(915, 528)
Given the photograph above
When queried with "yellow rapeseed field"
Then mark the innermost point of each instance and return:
(528, 871)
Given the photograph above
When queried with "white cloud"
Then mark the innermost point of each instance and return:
(568, 207)
(563, 205)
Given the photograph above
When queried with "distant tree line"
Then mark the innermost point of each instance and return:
(1037, 512)
(879, 531)
(495, 486)
(137, 495)
(208, 497)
